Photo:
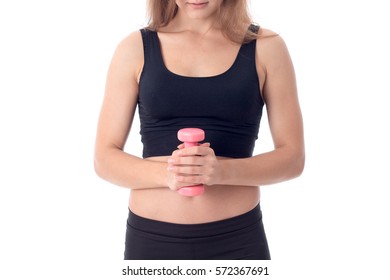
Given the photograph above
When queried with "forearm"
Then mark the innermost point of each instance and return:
(269, 168)
(122, 169)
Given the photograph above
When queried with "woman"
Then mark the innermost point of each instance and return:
(200, 63)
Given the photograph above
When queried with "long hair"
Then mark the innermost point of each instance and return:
(233, 18)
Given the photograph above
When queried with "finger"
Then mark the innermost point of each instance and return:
(186, 170)
(182, 146)
(186, 160)
(189, 180)
(178, 185)
(193, 151)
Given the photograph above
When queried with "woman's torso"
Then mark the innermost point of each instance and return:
(197, 57)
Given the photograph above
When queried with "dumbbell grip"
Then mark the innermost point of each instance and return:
(196, 189)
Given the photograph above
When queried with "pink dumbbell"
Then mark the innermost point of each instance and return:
(191, 137)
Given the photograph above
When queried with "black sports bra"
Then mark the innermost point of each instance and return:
(228, 106)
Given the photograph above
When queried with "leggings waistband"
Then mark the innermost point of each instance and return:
(195, 230)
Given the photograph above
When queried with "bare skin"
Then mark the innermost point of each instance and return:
(232, 185)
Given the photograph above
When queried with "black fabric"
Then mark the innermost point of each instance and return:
(227, 106)
(240, 237)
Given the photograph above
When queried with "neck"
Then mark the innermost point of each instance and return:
(199, 26)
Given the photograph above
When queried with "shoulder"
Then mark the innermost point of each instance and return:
(271, 49)
(131, 45)
(129, 54)
(270, 42)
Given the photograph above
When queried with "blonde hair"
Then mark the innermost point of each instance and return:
(233, 18)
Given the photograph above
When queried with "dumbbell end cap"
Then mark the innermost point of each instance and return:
(192, 191)
(191, 135)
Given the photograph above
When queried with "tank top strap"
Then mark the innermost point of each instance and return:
(254, 28)
(152, 52)
(247, 52)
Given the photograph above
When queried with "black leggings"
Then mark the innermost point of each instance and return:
(240, 237)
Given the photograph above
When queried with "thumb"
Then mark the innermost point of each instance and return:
(181, 146)
(207, 144)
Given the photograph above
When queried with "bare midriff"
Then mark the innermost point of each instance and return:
(218, 202)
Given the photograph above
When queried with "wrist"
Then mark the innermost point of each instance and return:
(227, 171)
(158, 174)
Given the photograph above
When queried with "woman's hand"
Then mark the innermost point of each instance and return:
(193, 166)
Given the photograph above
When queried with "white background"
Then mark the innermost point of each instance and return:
(59, 220)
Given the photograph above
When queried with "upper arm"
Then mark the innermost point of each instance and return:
(280, 92)
(121, 93)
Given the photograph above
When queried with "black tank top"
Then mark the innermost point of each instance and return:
(228, 106)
